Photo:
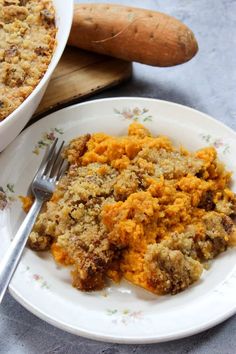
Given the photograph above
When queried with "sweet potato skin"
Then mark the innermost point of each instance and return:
(132, 34)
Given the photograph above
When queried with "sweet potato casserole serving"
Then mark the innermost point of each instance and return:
(27, 41)
(137, 207)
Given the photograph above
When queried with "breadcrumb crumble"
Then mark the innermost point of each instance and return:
(137, 207)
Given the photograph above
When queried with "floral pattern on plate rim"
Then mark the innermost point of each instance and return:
(46, 139)
(124, 317)
(218, 143)
(40, 280)
(136, 114)
(36, 277)
(7, 196)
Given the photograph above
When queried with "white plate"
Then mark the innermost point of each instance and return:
(121, 313)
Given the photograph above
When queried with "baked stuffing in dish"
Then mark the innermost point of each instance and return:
(137, 207)
(27, 42)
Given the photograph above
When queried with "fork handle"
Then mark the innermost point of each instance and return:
(13, 255)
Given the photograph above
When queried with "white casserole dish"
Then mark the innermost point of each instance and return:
(11, 126)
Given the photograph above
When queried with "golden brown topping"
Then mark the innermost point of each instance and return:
(170, 271)
(227, 224)
(206, 201)
(5, 104)
(11, 52)
(14, 76)
(77, 149)
(136, 206)
(26, 48)
(23, 2)
(43, 51)
(39, 242)
(47, 16)
(12, 12)
(11, 2)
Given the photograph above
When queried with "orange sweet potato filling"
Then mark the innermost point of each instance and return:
(137, 196)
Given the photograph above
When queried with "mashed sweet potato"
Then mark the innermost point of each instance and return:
(137, 207)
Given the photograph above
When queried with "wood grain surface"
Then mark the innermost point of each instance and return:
(80, 74)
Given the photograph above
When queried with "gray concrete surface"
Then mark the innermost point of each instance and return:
(206, 83)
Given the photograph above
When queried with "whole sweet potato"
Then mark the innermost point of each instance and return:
(132, 34)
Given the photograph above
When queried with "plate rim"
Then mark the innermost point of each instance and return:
(111, 338)
(118, 339)
(126, 98)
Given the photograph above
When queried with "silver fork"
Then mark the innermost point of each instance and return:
(50, 171)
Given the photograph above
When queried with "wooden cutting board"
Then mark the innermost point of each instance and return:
(80, 74)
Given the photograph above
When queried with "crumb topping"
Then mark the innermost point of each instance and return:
(27, 42)
(137, 207)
